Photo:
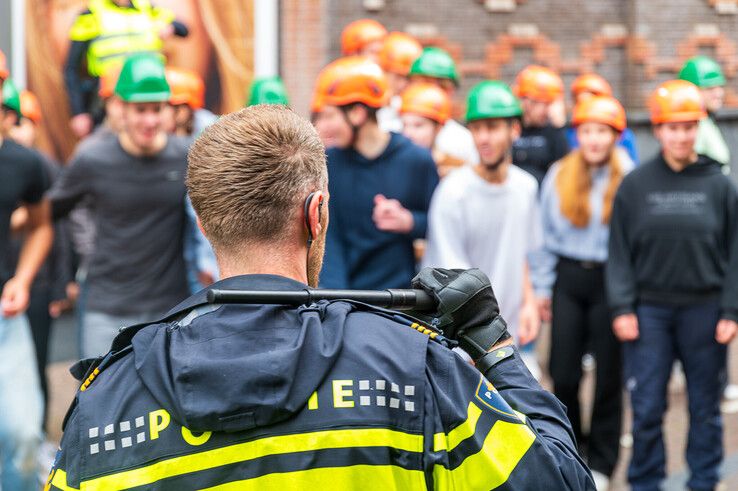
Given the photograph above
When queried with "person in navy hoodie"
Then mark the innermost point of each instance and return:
(380, 185)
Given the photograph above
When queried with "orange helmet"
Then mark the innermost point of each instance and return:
(4, 73)
(539, 83)
(327, 76)
(592, 83)
(359, 33)
(676, 101)
(600, 109)
(427, 100)
(108, 80)
(398, 53)
(349, 80)
(187, 87)
(30, 108)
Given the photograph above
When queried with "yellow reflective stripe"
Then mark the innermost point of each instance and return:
(120, 32)
(85, 27)
(447, 442)
(164, 16)
(59, 481)
(120, 45)
(384, 477)
(111, 52)
(504, 446)
(273, 445)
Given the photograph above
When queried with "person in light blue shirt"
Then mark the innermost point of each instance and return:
(588, 85)
(626, 143)
(568, 275)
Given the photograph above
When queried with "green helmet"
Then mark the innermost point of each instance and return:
(11, 96)
(435, 62)
(492, 99)
(702, 71)
(142, 79)
(267, 90)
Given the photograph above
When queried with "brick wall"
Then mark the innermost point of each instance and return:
(635, 44)
(304, 47)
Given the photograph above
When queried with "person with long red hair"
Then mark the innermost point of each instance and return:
(576, 204)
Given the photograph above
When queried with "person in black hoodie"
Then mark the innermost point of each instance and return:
(672, 284)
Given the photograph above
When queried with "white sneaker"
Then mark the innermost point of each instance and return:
(588, 362)
(602, 482)
(731, 392)
(678, 381)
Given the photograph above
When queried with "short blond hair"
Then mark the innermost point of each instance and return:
(251, 170)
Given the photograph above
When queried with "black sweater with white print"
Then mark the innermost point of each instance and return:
(674, 238)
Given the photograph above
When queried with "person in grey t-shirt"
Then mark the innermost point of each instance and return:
(135, 183)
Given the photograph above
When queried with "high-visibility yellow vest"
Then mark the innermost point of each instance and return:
(117, 32)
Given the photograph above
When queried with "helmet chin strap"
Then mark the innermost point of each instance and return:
(354, 128)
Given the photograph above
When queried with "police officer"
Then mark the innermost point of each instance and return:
(104, 35)
(333, 395)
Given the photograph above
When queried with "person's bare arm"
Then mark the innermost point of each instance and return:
(15, 294)
(530, 322)
(18, 220)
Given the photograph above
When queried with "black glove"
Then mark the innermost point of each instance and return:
(467, 308)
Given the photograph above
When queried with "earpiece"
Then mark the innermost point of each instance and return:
(308, 201)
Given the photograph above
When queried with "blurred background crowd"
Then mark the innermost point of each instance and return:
(613, 252)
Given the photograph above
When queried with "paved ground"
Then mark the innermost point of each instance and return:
(63, 387)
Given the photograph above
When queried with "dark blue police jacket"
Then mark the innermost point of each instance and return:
(328, 396)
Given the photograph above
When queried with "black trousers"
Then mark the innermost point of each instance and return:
(581, 322)
(40, 321)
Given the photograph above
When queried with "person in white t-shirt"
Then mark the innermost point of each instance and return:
(436, 66)
(486, 216)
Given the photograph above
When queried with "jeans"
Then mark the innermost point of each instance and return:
(21, 406)
(99, 329)
(686, 333)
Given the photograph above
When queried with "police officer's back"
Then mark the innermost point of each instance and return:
(330, 396)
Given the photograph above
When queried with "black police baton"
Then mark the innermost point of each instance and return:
(394, 299)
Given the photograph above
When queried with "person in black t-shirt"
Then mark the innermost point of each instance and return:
(22, 182)
(540, 143)
(49, 289)
(672, 287)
